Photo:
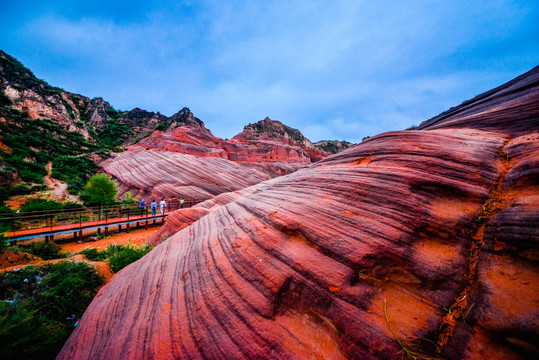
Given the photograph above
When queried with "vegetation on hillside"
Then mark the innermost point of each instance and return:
(41, 306)
(333, 147)
(118, 256)
(114, 133)
(29, 144)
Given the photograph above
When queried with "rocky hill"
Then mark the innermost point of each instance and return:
(421, 242)
(41, 124)
(190, 162)
(333, 146)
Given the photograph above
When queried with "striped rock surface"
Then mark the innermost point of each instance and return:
(417, 241)
(156, 174)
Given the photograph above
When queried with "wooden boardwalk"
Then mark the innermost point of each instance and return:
(77, 228)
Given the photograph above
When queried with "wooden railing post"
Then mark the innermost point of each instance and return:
(106, 223)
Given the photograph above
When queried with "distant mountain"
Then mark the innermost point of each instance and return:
(333, 146)
(162, 164)
(41, 124)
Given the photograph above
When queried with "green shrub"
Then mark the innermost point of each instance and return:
(45, 250)
(93, 254)
(21, 189)
(113, 134)
(4, 100)
(161, 127)
(3, 243)
(129, 199)
(120, 256)
(70, 205)
(72, 168)
(41, 205)
(7, 224)
(46, 301)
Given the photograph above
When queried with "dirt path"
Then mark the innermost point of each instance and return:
(58, 188)
(137, 237)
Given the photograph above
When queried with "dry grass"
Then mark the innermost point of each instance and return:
(408, 350)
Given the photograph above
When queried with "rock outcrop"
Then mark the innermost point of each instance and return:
(250, 157)
(413, 241)
(157, 174)
(333, 146)
(265, 149)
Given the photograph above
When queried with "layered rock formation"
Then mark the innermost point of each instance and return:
(265, 149)
(189, 161)
(156, 174)
(413, 241)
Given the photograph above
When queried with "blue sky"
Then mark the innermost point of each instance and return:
(333, 69)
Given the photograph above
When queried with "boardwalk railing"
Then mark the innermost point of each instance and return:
(45, 224)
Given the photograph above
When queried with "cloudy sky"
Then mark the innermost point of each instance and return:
(333, 69)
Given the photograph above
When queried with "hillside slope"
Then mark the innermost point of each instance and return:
(423, 240)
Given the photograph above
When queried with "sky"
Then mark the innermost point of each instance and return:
(335, 70)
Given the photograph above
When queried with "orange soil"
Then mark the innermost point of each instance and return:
(138, 237)
(3, 146)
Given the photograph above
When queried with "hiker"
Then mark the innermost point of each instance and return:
(162, 204)
(181, 203)
(154, 207)
(142, 205)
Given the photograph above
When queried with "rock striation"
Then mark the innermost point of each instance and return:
(157, 174)
(420, 241)
(188, 160)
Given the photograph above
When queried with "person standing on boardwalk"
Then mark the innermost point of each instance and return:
(154, 207)
(181, 203)
(162, 204)
(142, 206)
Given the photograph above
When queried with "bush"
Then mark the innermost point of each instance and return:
(3, 243)
(45, 250)
(21, 189)
(46, 302)
(72, 168)
(129, 199)
(93, 254)
(8, 224)
(119, 256)
(41, 205)
(70, 205)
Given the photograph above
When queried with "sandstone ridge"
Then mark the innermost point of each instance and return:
(190, 162)
(422, 241)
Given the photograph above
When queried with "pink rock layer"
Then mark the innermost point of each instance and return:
(189, 162)
(156, 174)
(356, 256)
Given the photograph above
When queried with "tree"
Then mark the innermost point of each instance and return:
(129, 199)
(101, 189)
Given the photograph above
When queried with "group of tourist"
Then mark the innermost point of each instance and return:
(153, 206)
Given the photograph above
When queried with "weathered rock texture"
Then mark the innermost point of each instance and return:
(177, 162)
(424, 237)
(157, 174)
(266, 141)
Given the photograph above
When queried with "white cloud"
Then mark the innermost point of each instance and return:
(340, 70)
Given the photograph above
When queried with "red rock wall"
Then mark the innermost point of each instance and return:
(302, 265)
(417, 240)
(159, 174)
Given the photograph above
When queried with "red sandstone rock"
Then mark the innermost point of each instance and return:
(156, 174)
(243, 161)
(312, 264)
